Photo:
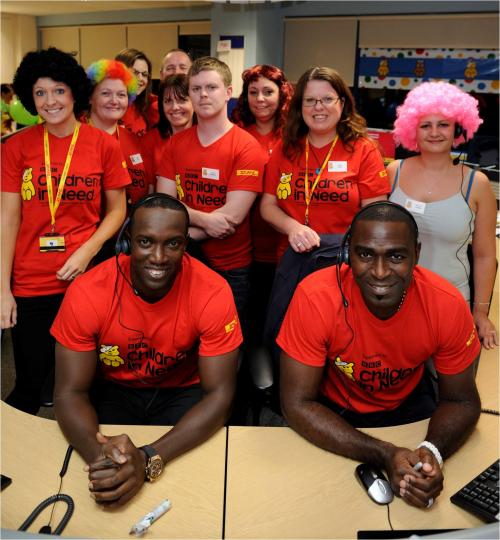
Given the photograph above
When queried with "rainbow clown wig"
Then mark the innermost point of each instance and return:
(112, 69)
(435, 98)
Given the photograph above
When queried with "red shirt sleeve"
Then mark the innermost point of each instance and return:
(303, 334)
(248, 165)
(458, 344)
(219, 325)
(272, 172)
(372, 178)
(165, 166)
(77, 323)
(115, 168)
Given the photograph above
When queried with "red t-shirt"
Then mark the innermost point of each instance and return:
(153, 147)
(373, 365)
(267, 142)
(138, 343)
(347, 179)
(135, 122)
(206, 173)
(132, 152)
(97, 166)
(265, 239)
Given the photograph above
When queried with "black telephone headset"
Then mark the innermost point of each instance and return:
(344, 246)
(122, 244)
(459, 130)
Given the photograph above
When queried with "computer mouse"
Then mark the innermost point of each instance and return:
(375, 483)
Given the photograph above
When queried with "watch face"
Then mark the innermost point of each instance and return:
(155, 468)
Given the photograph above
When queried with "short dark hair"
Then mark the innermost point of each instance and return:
(178, 86)
(159, 200)
(56, 65)
(387, 211)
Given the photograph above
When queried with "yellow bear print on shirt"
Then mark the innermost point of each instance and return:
(180, 191)
(110, 355)
(27, 187)
(347, 368)
(284, 190)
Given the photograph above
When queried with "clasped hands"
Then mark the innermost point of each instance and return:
(417, 488)
(219, 225)
(117, 473)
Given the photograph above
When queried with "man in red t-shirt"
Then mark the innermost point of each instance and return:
(156, 335)
(215, 168)
(354, 345)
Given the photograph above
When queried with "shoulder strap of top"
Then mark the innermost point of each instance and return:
(396, 178)
(469, 187)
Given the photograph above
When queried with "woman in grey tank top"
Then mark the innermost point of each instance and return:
(454, 206)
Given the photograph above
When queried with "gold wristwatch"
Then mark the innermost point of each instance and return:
(154, 463)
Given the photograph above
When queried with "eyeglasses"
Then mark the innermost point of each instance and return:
(325, 101)
(144, 74)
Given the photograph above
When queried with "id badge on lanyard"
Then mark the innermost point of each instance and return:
(54, 241)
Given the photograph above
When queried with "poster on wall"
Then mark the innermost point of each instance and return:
(403, 69)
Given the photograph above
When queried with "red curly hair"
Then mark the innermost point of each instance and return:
(242, 116)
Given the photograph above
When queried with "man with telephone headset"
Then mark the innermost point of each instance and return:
(150, 337)
(354, 344)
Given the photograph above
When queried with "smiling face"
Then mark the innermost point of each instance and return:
(141, 70)
(109, 100)
(54, 103)
(321, 118)
(435, 133)
(263, 99)
(383, 255)
(173, 63)
(158, 241)
(178, 110)
(208, 94)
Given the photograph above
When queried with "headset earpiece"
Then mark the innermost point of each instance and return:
(459, 130)
(344, 249)
(122, 244)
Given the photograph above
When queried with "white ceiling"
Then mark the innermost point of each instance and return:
(56, 7)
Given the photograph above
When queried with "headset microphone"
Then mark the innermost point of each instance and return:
(459, 130)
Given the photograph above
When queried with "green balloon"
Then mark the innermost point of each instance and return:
(20, 114)
(5, 107)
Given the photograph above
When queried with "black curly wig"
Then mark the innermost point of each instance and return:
(56, 65)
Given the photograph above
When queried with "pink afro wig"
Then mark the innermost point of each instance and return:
(112, 69)
(435, 98)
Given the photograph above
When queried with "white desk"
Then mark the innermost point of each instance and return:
(33, 450)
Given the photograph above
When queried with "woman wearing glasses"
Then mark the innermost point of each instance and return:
(325, 168)
(142, 114)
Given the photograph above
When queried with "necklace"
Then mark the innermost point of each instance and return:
(318, 168)
(402, 300)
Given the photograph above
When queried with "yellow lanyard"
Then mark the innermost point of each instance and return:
(306, 183)
(53, 206)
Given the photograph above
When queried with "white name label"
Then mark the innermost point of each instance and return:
(415, 206)
(210, 174)
(337, 166)
(136, 159)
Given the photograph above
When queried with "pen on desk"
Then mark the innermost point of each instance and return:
(142, 526)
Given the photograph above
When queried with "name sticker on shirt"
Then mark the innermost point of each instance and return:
(135, 159)
(415, 206)
(209, 174)
(337, 166)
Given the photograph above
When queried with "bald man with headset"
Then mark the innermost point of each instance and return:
(354, 344)
(150, 337)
